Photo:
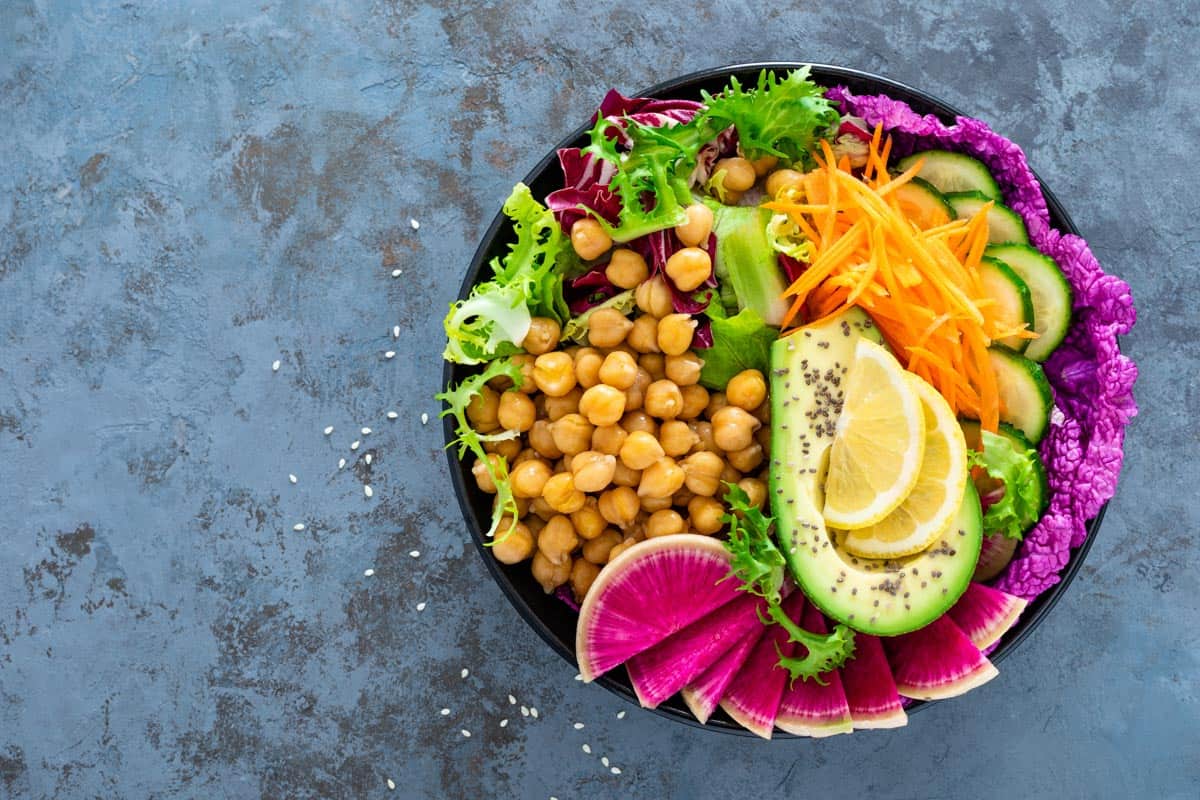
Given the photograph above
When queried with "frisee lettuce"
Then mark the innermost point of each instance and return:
(1018, 509)
(740, 342)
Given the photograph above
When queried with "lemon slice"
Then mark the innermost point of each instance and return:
(879, 443)
(930, 508)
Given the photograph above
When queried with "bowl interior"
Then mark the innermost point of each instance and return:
(550, 617)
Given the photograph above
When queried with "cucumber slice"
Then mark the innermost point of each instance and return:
(924, 204)
(1020, 444)
(1025, 396)
(1014, 301)
(1004, 224)
(1050, 292)
(954, 172)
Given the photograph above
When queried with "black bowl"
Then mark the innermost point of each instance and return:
(548, 615)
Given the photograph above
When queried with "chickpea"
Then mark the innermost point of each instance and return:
(783, 179)
(637, 531)
(526, 454)
(624, 476)
(704, 516)
(516, 411)
(626, 268)
(764, 164)
(619, 370)
(729, 474)
(621, 548)
(683, 368)
(548, 574)
(755, 489)
(607, 327)
(542, 440)
(522, 504)
(542, 336)
(643, 336)
(696, 230)
(653, 504)
(619, 506)
(655, 365)
(483, 410)
(682, 497)
(572, 434)
(664, 523)
(732, 198)
(703, 472)
(587, 366)
(602, 405)
(525, 361)
(689, 268)
(561, 494)
(558, 539)
(539, 508)
(596, 550)
(677, 438)
(533, 522)
(716, 401)
(508, 448)
(635, 396)
(593, 471)
(664, 400)
(639, 421)
(763, 437)
(739, 173)
(587, 520)
(483, 478)
(515, 545)
(529, 477)
(746, 390)
(675, 333)
(589, 238)
(608, 439)
(661, 479)
(695, 400)
(555, 408)
(703, 431)
(583, 575)
(747, 459)
(733, 428)
(640, 450)
(554, 373)
(654, 297)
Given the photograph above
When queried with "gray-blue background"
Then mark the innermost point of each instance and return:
(189, 191)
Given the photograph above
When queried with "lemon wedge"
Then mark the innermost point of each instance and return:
(930, 508)
(879, 443)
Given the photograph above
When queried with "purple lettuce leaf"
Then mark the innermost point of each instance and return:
(589, 290)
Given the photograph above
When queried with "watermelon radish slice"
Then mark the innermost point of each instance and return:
(870, 688)
(647, 593)
(704, 694)
(668, 666)
(936, 662)
(807, 708)
(994, 554)
(753, 696)
(985, 614)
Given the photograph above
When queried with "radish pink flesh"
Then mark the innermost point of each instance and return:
(936, 662)
(753, 696)
(647, 593)
(985, 614)
(668, 666)
(870, 689)
(807, 708)
(703, 694)
(995, 553)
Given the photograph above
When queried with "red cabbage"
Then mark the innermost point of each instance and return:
(589, 290)
(659, 246)
(649, 111)
(586, 184)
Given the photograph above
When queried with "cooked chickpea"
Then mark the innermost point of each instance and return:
(739, 173)
(703, 472)
(782, 179)
(755, 489)
(608, 439)
(677, 438)
(746, 390)
(548, 574)
(572, 434)
(587, 366)
(554, 373)
(602, 405)
(539, 508)
(626, 268)
(558, 539)
(661, 479)
(522, 504)
(529, 477)
(699, 225)
(607, 327)
(663, 400)
(637, 420)
(654, 297)
(618, 370)
(747, 459)
(653, 504)
(587, 520)
(483, 410)
(716, 401)
(621, 548)
(703, 431)
(655, 365)
(763, 437)
(637, 531)
(583, 575)
(624, 476)
(689, 268)
(704, 516)
(555, 408)
(516, 411)
(593, 471)
(729, 474)
(596, 550)
(640, 450)
(732, 198)
(483, 478)
(561, 494)
(683, 368)
(664, 523)
(619, 506)
(533, 522)
(682, 497)
(695, 399)
(525, 361)
(512, 546)
(542, 336)
(675, 333)
(509, 448)
(635, 396)
(643, 336)
(542, 440)
(764, 164)
(733, 428)
(589, 238)
(526, 454)
(763, 413)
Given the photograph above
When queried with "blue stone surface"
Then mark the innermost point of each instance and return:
(192, 191)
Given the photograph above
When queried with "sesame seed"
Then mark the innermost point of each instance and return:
(341, 463)
(445, 712)
(292, 478)
(424, 419)
(578, 726)
(524, 711)
(604, 761)
(415, 225)
(368, 572)
(533, 712)
(395, 273)
(328, 429)
(392, 415)
(512, 701)
(366, 431)
(390, 354)
(354, 445)
(395, 331)
(367, 490)
(552, 797)
(275, 365)
(587, 748)
(615, 770)
(620, 715)
(391, 785)
(415, 553)
(368, 458)
(578, 677)
(465, 673)
(299, 526)
(466, 733)
(504, 723)
(421, 606)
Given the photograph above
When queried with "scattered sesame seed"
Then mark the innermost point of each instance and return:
(524, 711)
(391, 785)
(392, 415)
(533, 712)
(367, 490)
(587, 748)
(368, 572)
(615, 770)
(368, 458)
(415, 225)
(292, 477)
(421, 606)
(512, 701)
(620, 715)
(465, 672)
(424, 419)
(552, 797)
(578, 726)
(395, 273)
(466, 733)
(445, 712)
(415, 553)
(341, 463)
(354, 445)
(328, 429)
(604, 761)
(395, 331)
(504, 723)
(299, 526)
(578, 677)
(275, 365)
(366, 431)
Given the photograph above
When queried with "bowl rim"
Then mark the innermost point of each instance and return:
(829, 75)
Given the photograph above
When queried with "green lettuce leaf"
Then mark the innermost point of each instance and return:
(740, 342)
(1018, 510)
(576, 329)
(785, 237)
(746, 261)
(822, 651)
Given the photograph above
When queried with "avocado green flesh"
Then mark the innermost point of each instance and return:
(880, 597)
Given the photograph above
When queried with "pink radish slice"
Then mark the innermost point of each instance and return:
(985, 614)
(668, 666)
(647, 593)
(870, 689)
(807, 708)
(753, 696)
(936, 662)
(704, 694)
(994, 554)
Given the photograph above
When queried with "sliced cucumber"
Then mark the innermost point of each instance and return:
(1004, 224)
(1050, 292)
(953, 172)
(1019, 444)
(924, 204)
(1025, 396)
(1012, 296)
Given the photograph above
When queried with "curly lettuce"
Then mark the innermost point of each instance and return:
(1021, 472)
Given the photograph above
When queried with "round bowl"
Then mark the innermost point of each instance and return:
(553, 620)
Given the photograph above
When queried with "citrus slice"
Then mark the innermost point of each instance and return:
(879, 443)
(934, 500)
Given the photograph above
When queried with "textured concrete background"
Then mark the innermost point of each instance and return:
(190, 191)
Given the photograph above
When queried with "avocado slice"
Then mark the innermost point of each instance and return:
(880, 597)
